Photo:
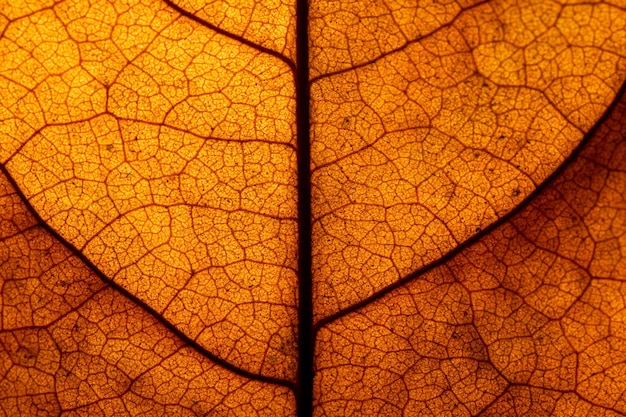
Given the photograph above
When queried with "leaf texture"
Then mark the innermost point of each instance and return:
(466, 244)
(162, 181)
(72, 345)
(528, 320)
(418, 149)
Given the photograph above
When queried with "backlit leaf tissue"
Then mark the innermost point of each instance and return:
(312, 208)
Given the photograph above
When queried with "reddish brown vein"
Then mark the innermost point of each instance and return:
(232, 36)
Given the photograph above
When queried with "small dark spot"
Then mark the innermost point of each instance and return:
(516, 192)
(26, 353)
(477, 229)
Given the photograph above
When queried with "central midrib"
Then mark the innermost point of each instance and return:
(304, 385)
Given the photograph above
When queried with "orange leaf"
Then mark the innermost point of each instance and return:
(296, 208)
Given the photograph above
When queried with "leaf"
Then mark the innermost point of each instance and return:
(417, 211)
(527, 320)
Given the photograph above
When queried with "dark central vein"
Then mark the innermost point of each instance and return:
(304, 390)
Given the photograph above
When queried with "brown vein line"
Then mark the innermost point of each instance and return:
(192, 343)
(232, 36)
(487, 230)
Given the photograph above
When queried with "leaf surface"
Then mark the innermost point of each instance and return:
(464, 253)
(72, 345)
(528, 320)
